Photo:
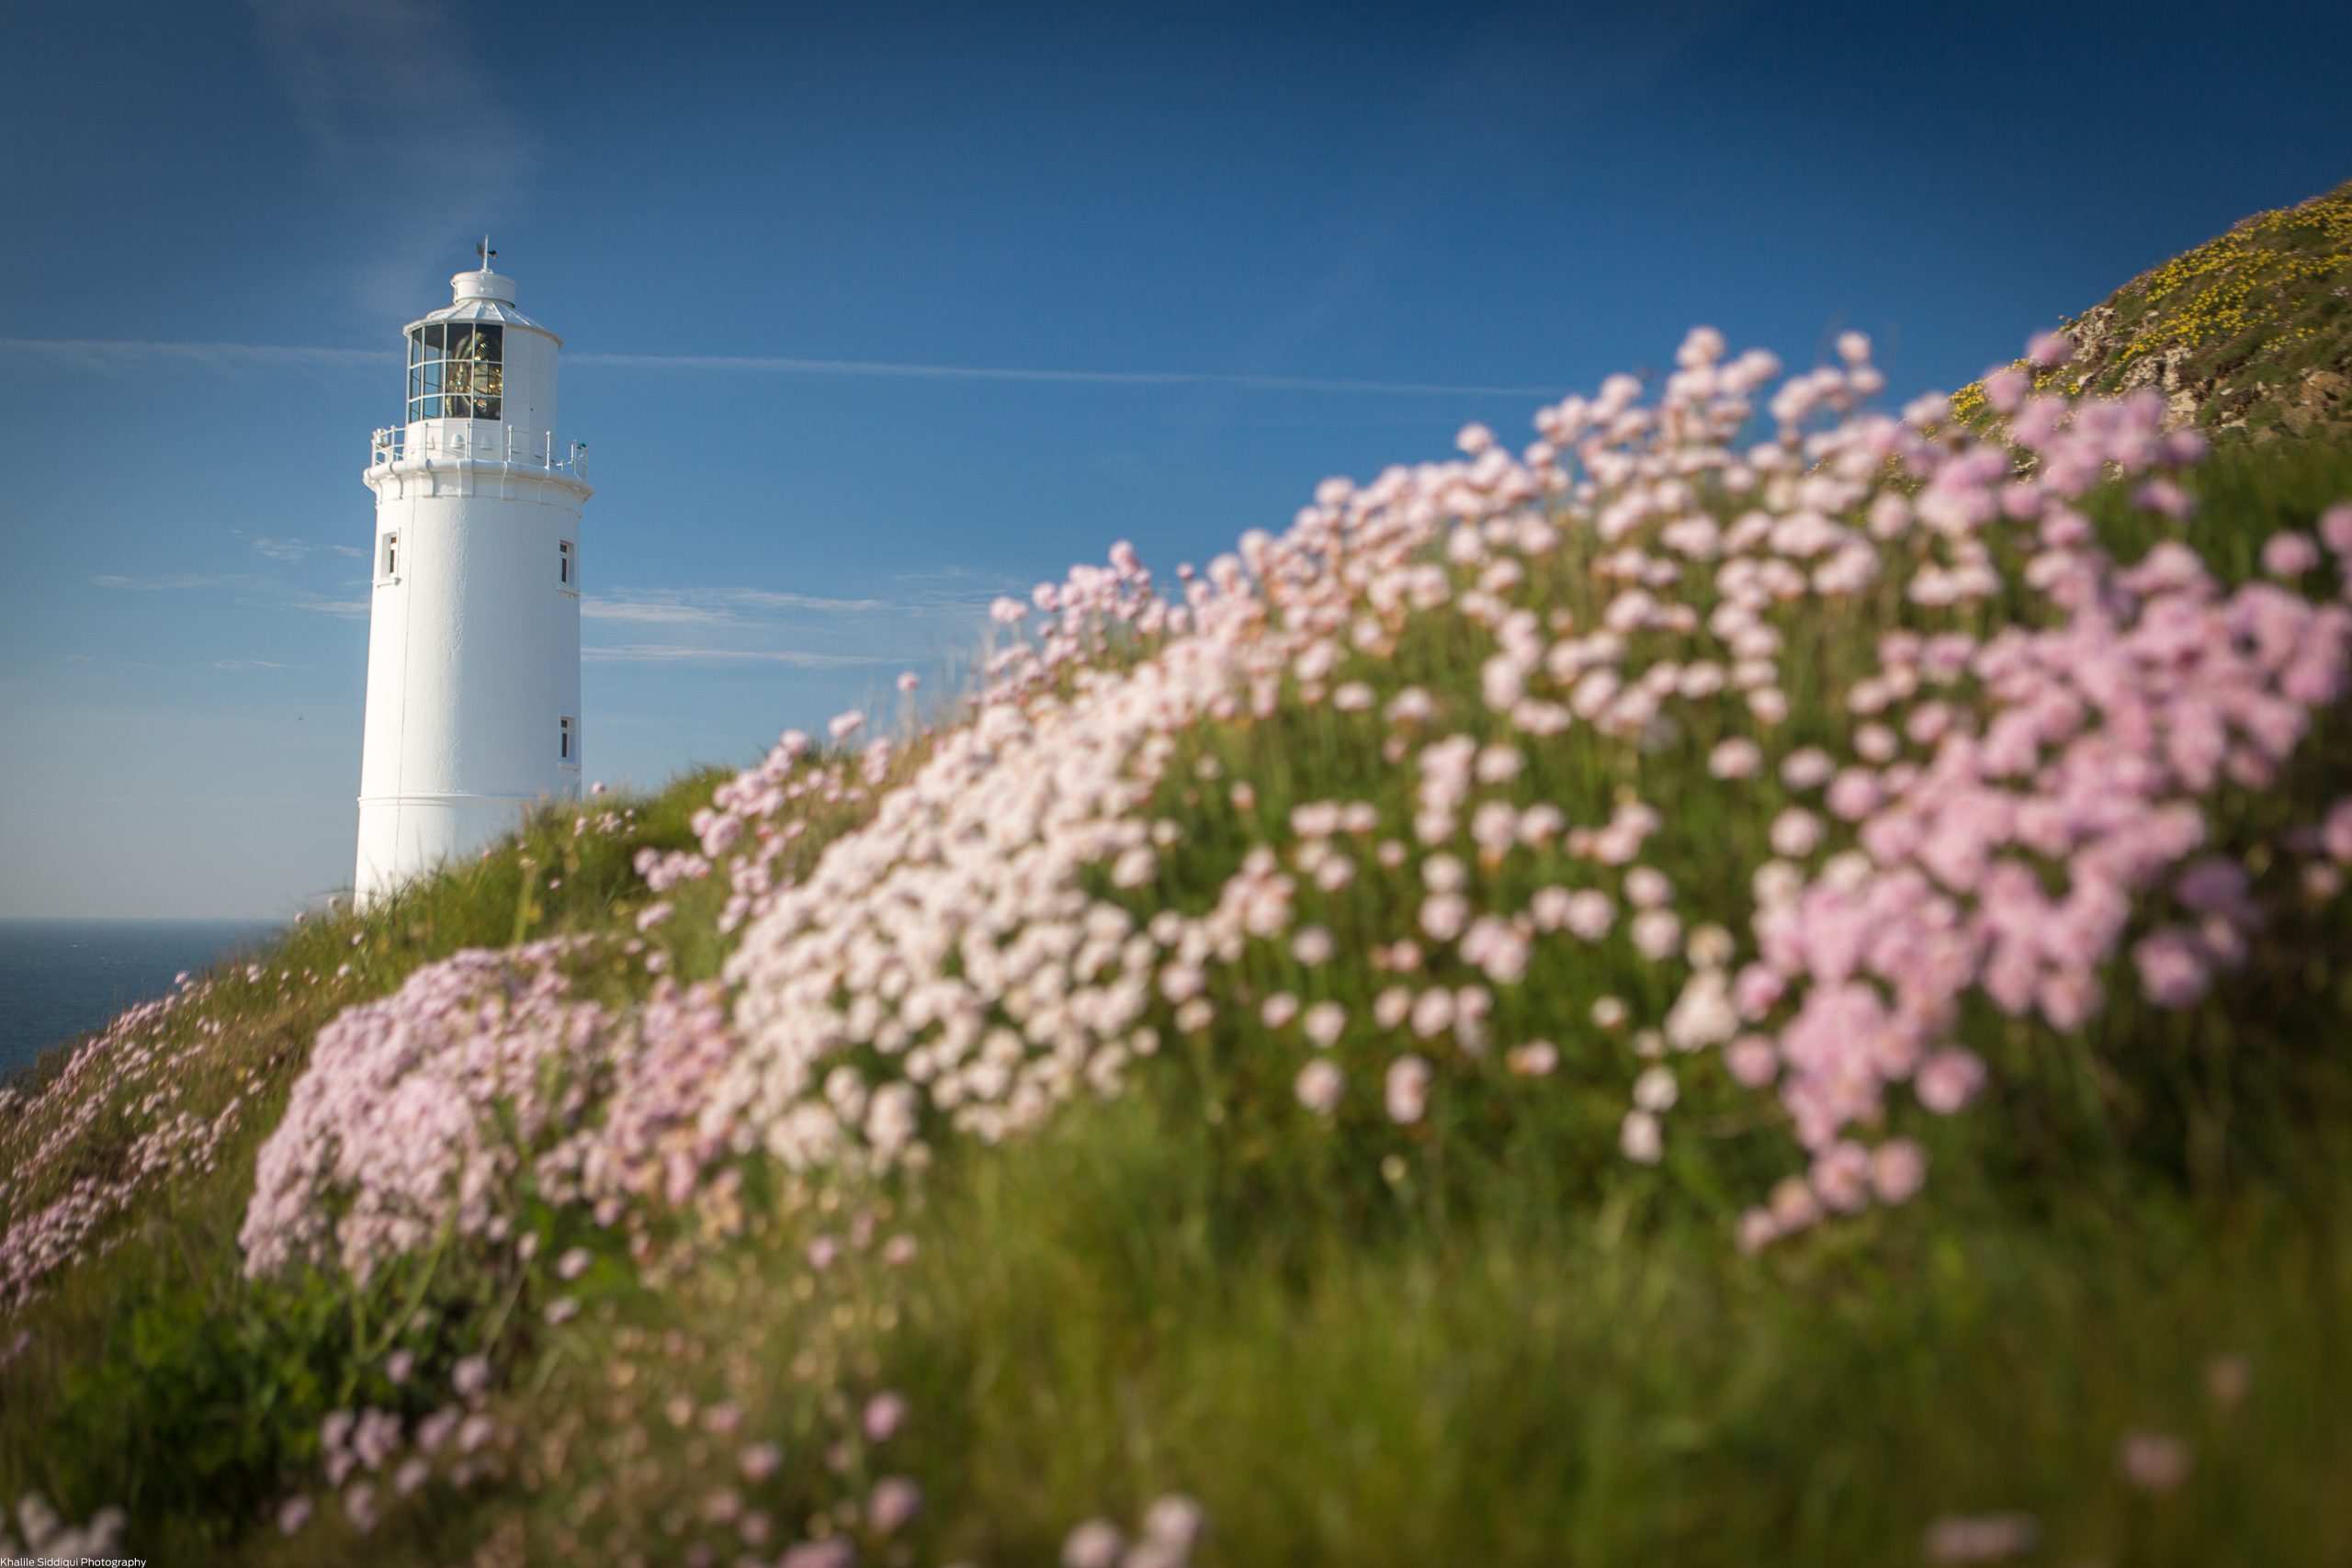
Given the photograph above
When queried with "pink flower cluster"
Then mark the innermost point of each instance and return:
(48, 1539)
(1172, 1529)
(422, 1113)
(130, 1080)
(951, 945)
(1987, 815)
(432, 1111)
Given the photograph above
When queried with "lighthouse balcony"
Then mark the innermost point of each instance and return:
(471, 443)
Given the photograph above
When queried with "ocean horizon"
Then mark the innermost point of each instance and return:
(63, 979)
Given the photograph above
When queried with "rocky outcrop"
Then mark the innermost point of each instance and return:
(2248, 336)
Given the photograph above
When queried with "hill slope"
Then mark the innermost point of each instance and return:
(1642, 1000)
(2250, 334)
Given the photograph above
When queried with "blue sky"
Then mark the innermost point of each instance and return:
(1250, 246)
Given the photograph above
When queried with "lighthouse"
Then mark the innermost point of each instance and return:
(473, 622)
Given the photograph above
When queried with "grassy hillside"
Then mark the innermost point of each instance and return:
(1647, 1000)
(2248, 335)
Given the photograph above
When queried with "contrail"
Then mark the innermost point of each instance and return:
(116, 356)
(884, 367)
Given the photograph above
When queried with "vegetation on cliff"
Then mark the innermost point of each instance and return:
(2247, 336)
(1658, 997)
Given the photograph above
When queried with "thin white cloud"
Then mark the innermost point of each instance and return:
(255, 664)
(770, 599)
(647, 611)
(894, 369)
(262, 593)
(281, 549)
(713, 606)
(122, 357)
(161, 584)
(680, 653)
(314, 603)
(365, 79)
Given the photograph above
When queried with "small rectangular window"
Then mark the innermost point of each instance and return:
(567, 741)
(566, 554)
(388, 566)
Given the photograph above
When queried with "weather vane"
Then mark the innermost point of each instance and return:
(485, 252)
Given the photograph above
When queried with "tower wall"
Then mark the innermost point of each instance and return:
(474, 641)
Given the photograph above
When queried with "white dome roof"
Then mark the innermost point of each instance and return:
(483, 296)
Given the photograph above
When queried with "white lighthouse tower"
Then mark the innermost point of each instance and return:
(473, 629)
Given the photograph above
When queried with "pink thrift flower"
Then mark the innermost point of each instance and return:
(2153, 1462)
(1537, 1058)
(1796, 833)
(471, 1376)
(2173, 970)
(894, 1503)
(1981, 1537)
(2335, 530)
(885, 1414)
(2005, 390)
(1175, 1522)
(2335, 831)
(1738, 758)
(1752, 1061)
(1318, 1085)
(1641, 1137)
(2290, 555)
(1094, 1545)
(1842, 1177)
(2165, 498)
(1407, 1089)
(1947, 1080)
(2050, 350)
(1898, 1169)
(1656, 935)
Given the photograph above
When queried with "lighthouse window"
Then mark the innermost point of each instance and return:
(566, 740)
(566, 554)
(388, 569)
(456, 370)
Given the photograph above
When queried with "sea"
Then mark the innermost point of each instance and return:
(60, 979)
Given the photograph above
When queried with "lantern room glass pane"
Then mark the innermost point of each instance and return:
(457, 370)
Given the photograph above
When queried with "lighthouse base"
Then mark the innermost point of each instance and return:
(402, 838)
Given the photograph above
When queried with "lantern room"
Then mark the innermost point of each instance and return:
(480, 358)
(456, 370)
